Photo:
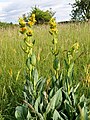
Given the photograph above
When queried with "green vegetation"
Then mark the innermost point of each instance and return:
(12, 60)
(81, 10)
(5, 24)
(42, 16)
(54, 98)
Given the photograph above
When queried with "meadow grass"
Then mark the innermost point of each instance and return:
(12, 59)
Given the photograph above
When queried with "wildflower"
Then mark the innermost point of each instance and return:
(33, 15)
(53, 28)
(32, 19)
(22, 23)
(23, 30)
(30, 23)
(52, 23)
(29, 33)
(75, 46)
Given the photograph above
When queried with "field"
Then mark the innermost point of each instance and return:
(12, 60)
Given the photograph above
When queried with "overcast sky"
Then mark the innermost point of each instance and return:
(11, 10)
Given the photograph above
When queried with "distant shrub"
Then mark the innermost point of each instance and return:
(5, 24)
(42, 16)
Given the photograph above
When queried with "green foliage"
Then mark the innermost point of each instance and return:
(6, 25)
(81, 10)
(42, 16)
(57, 97)
(1, 117)
(12, 58)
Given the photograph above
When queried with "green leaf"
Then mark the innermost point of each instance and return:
(83, 112)
(69, 108)
(55, 101)
(28, 63)
(65, 117)
(82, 98)
(56, 115)
(40, 116)
(28, 115)
(51, 92)
(37, 103)
(70, 70)
(77, 86)
(67, 97)
(35, 76)
(40, 84)
(21, 113)
(33, 59)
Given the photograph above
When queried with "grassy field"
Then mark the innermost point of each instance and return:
(12, 59)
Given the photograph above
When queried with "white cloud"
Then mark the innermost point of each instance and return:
(3, 5)
(10, 10)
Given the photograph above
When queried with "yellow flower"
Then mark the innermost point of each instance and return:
(29, 32)
(23, 30)
(54, 30)
(75, 46)
(33, 15)
(30, 23)
(22, 23)
(32, 19)
(53, 26)
(52, 23)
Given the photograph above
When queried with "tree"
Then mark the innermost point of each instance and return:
(42, 16)
(81, 10)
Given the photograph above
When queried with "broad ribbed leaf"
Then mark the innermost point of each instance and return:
(83, 112)
(37, 103)
(67, 97)
(55, 101)
(21, 112)
(40, 84)
(69, 108)
(56, 116)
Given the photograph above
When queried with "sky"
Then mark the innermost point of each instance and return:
(11, 10)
